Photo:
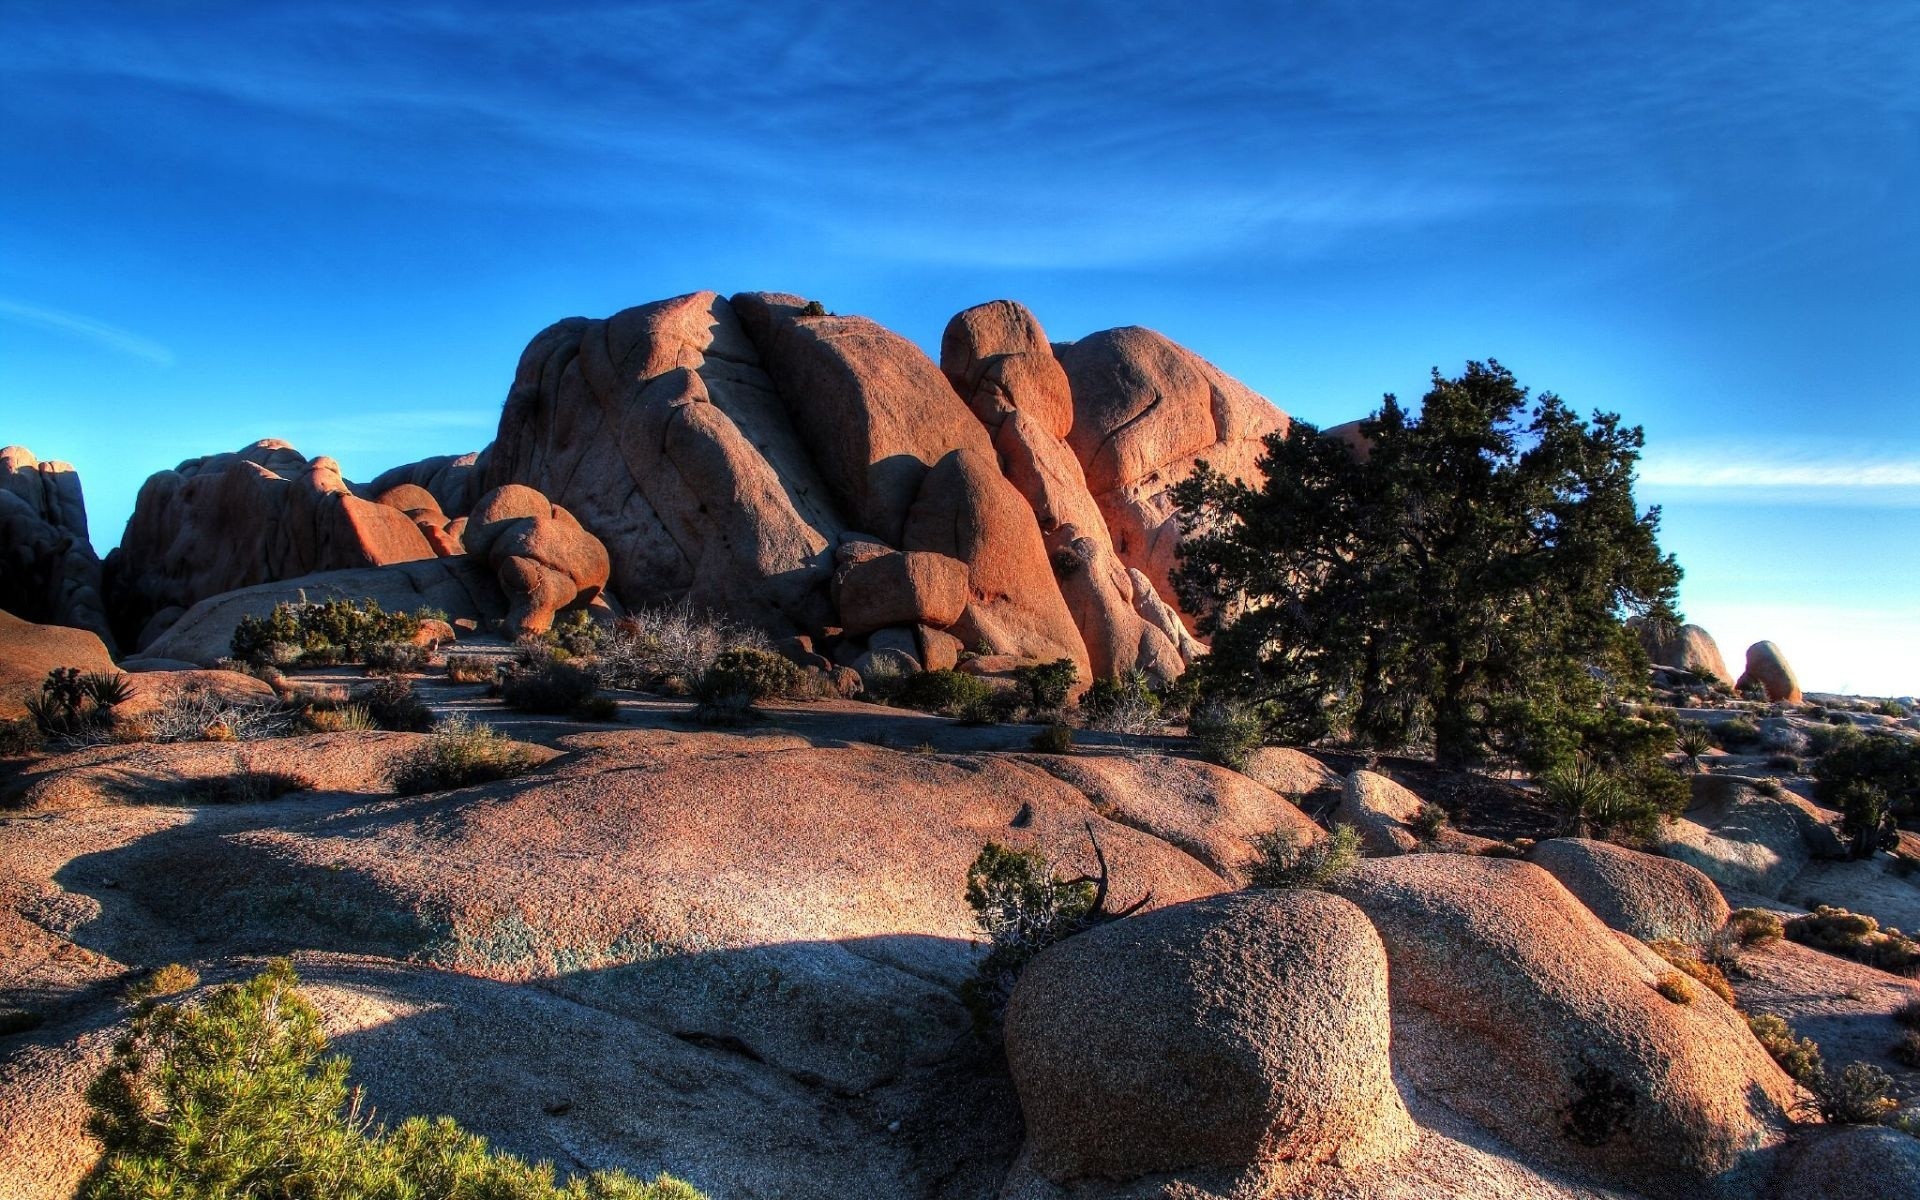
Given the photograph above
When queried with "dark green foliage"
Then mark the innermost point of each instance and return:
(236, 1097)
(1692, 739)
(1045, 686)
(750, 674)
(333, 631)
(1736, 734)
(1756, 926)
(392, 704)
(1866, 818)
(1890, 764)
(246, 787)
(1892, 708)
(1906, 1049)
(1825, 739)
(1799, 1057)
(1595, 802)
(19, 738)
(813, 308)
(1856, 1096)
(555, 689)
(76, 704)
(1056, 738)
(18, 1020)
(460, 754)
(1282, 859)
(1856, 936)
(397, 657)
(1226, 731)
(1429, 822)
(950, 693)
(1471, 577)
(576, 633)
(1602, 1108)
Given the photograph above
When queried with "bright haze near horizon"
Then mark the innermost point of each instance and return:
(339, 223)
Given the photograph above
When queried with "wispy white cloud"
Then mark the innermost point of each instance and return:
(111, 337)
(1738, 470)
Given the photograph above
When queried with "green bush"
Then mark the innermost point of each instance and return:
(749, 673)
(1736, 733)
(1756, 926)
(1692, 739)
(949, 693)
(1799, 1057)
(1892, 708)
(1906, 1050)
(392, 704)
(1282, 859)
(1023, 907)
(1595, 802)
(333, 631)
(1856, 1096)
(1117, 691)
(1429, 822)
(555, 689)
(1879, 760)
(169, 980)
(1856, 936)
(1825, 739)
(397, 657)
(1226, 731)
(236, 1097)
(1056, 738)
(1045, 686)
(77, 704)
(19, 738)
(1866, 818)
(460, 754)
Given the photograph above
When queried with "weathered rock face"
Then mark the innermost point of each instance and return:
(1767, 666)
(1645, 895)
(48, 570)
(1516, 1007)
(1144, 412)
(1234, 1043)
(544, 561)
(659, 429)
(28, 651)
(1737, 836)
(231, 521)
(999, 361)
(1688, 648)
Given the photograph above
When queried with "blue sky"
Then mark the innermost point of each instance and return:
(339, 223)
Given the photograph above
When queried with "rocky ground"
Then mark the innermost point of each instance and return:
(735, 955)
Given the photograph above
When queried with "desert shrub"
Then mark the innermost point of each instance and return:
(169, 980)
(1855, 1096)
(1756, 926)
(459, 753)
(1226, 731)
(1736, 733)
(1856, 936)
(576, 633)
(397, 657)
(557, 689)
(470, 668)
(1880, 760)
(883, 679)
(1799, 1057)
(18, 1020)
(753, 673)
(1675, 987)
(813, 308)
(1906, 1051)
(341, 718)
(1825, 739)
(1282, 859)
(1866, 818)
(19, 738)
(245, 787)
(1687, 961)
(199, 714)
(1781, 762)
(393, 704)
(78, 705)
(1692, 739)
(670, 648)
(1116, 691)
(948, 693)
(1429, 822)
(1602, 1106)
(598, 707)
(1908, 1014)
(1894, 709)
(1056, 738)
(330, 632)
(1045, 686)
(1595, 802)
(235, 1096)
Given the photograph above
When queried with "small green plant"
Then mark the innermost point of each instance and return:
(1687, 961)
(459, 753)
(246, 787)
(330, 632)
(750, 673)
(1906, 1051)
(1867, 823)
(1226, 731)
(1045, 686)
(1856, 936)
(1675, 988)
(1755, 926)
(393, 704)
(1692, 739)
(1856, 1096)
(169, 980)
(1595, 802)
(73, 704)
(1602, 1107)
(397, 658)
(1825, 739)
(1056, 738)
(339, 718)
(1737, 733)
(19, 738)
(1284, 859)
(1799, 1057)
(1894, 709)
(469, 668)
(235, 1096)
(1123, 704)
(949, 693)
(1429, 822)
(813, 308)
(553, 689)
(1908, 1014)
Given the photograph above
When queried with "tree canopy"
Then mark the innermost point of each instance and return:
(1463, 576)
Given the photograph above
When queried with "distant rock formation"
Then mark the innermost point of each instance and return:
(48, 570)
(544, 561)
(1686, 648)
(1767, 667)
(810, 474)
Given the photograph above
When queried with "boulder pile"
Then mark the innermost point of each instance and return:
(48, 571)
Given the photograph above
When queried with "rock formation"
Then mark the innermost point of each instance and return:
(544, 561)
(228, 521)
(28, 651)
(48, 570)
(1645, 895)
(1767, 668)
(1686, 648)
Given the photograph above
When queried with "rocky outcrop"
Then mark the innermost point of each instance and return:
(999, 361)
(28, 651)
(1685, 648)
(1386, 814)
(1857, 1163)
(48, 571)
(544, 561)
(1289, 772)
(1225, 1047)
(1645, 895)
(229, 521)
(1515, 1006)
(1145, 411)
(1767, 669)
(1738, 836)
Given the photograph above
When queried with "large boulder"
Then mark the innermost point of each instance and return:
(998, 359)
(1738, 836)
(1290, 772)
(661, 430)
(1686, 648)
(544, 560)
(48, 570)
(1230, 1044)
(1515, 1006)
(1767, 667)
(462, 587)
(230, 521)
(1645, 895)
(29, 651)
(875, 587)
(1145, 412)
(1855, 1163)
(1385, 815)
